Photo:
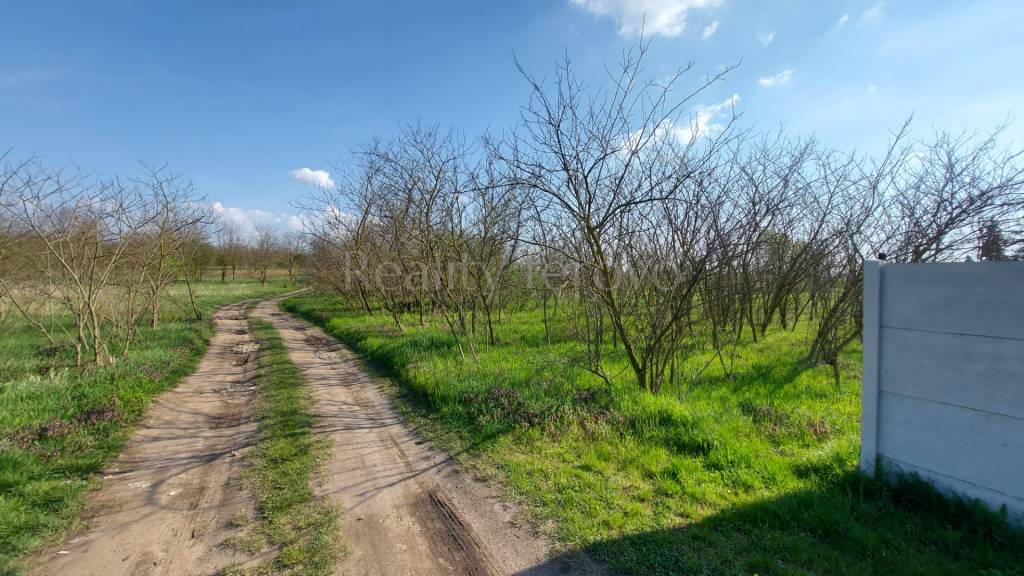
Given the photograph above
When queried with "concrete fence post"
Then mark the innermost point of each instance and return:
(873, 270)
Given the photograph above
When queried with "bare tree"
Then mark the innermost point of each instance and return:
(947, 189)
(424, 210)
(10, 262)
(177, 215)
(608, 169)
(265, 245)
(292, 251)
(230, 245)
(496, 210)
(76, 225)
(347, 241)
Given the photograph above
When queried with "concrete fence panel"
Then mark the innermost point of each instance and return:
(943, 393)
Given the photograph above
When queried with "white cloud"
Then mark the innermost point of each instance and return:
(766, 38)
(706, 121)
(652, 17)
(318, 178)
(247, 218)
(710, 30)
(842, 20)
(777, 79)
(873, 13)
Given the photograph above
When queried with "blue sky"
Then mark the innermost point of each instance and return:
(242, 96)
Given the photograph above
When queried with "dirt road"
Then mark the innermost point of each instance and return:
(406, 509)
(166, 501)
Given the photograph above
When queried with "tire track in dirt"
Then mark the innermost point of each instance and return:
(406, 508)
(165, 503)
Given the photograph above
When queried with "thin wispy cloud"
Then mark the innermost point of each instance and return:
(875, 12)
(776, 79)
(651, 17)
(710, 30)
(843, 20)
(318, 178)
(766, 38)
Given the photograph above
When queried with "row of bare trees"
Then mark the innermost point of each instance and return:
(266, 248)
(659, 234)
(88, 261)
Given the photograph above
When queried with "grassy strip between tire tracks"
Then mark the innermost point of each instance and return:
(300, 526)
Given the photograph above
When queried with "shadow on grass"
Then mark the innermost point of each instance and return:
(780, 372)
(850, 525)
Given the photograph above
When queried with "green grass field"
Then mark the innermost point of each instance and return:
(59, 426)
(301, 527)
(749, 474)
